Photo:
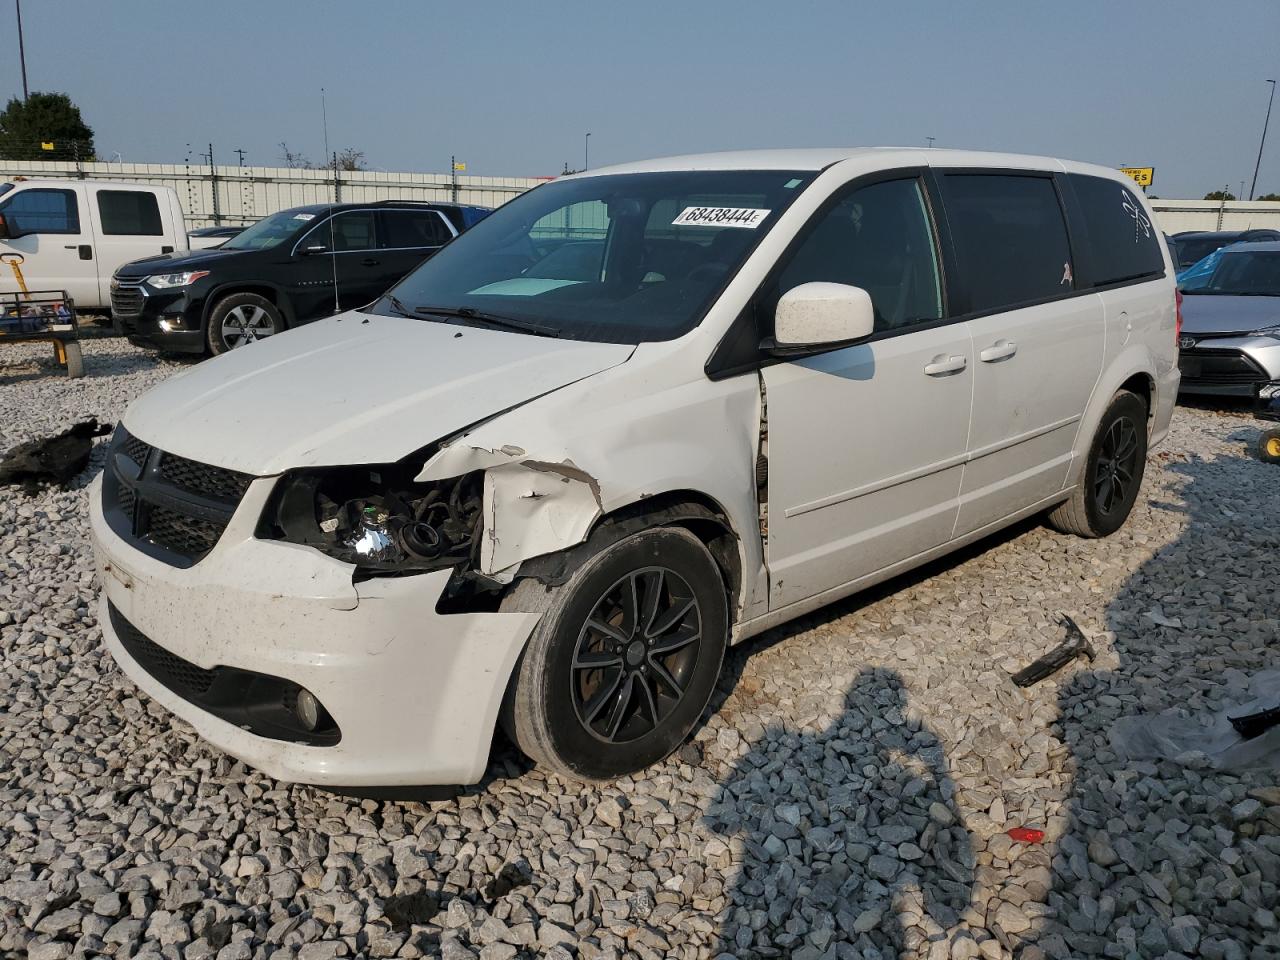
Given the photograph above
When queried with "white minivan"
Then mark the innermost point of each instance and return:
(74, 234)
(632, 417)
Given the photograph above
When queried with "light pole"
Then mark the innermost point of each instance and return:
(22, 51)
(931, 139)
(1264, 139)
(586, 151)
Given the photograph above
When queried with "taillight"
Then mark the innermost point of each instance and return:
(1177, 332)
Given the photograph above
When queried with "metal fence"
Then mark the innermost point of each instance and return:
(237, 195)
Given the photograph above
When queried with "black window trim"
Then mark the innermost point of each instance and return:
(375, 211)
(75, 205)
(725, 360)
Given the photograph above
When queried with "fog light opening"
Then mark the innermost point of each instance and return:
(310, 713)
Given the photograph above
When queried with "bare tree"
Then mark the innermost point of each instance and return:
(295, 161)
(351, 159)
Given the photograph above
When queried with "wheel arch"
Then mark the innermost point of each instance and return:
(692, 510)
(1132, 370)
(262, 288)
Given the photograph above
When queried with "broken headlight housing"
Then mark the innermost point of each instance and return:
(378, 518)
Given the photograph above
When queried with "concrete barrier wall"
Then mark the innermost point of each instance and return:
(244, 194)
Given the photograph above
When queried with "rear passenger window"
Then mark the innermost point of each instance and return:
(1123, 243)
(129, 213)
(1010, 238)
(878, 238)
(412, 228)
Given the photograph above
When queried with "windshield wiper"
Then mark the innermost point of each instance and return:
(400, 308)
(493, 319)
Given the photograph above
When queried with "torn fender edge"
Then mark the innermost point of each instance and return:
(531, 507)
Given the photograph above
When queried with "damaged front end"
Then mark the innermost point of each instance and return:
(378, 518)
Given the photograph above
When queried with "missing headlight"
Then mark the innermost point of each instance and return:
(377, 518)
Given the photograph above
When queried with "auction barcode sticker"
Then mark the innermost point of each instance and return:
(748, 217)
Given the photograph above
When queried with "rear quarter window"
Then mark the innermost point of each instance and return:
(1124, 244)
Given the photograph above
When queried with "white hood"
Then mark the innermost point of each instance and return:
(354, 389)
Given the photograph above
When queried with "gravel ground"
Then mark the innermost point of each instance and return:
(848, 797)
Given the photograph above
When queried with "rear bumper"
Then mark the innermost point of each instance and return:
(415, 693)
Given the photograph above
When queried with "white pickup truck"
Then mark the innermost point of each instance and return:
(74, 234)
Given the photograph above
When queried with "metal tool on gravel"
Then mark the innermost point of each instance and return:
(1069, 649)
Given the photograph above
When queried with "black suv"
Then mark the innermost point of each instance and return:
(291, 267)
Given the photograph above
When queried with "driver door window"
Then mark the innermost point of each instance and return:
(877, 237)
(351, 231)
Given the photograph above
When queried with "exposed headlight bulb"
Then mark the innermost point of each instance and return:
(370, 538)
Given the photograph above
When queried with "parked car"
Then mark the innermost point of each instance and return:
(551, 496)
(1230, 341)
(1195, 245)
(73, 234)
(285, 270)
(206, 238)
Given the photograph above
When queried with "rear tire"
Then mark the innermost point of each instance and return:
(239, 319)
(1112, 474)
(624, 659)
(1269, 445)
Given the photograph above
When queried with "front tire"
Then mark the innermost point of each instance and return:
(1112, 474)
(624, 659)
(239, 319)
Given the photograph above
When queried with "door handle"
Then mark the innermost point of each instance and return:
(369, 262)
(944, 365)
(1000, 350)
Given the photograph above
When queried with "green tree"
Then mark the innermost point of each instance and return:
(45, 118)
(1219, 195)
(1270, 196)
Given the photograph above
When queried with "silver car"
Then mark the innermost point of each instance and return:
(1230, 341)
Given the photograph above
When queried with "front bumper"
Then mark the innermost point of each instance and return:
(1230, 366)
(138, 312)
(414, 692)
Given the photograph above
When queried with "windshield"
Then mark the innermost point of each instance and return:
(1190, 251)
(271, 231)
(619, 259)
(1251, 274)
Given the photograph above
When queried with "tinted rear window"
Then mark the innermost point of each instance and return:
(1010, 237)
(129, 213)
(1123, 242)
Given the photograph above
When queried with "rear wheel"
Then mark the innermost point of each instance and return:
(241, 318)
(1113, 472)
(1269, 445)
(624, 659)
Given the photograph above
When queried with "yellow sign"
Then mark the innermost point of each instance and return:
(1142, 176)
(459, 167)
(46, 144)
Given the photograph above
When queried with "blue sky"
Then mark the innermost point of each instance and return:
(512, 88)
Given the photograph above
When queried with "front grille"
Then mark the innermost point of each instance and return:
(190, 536)
(181, 676)
(1218, 366)
(217, 483)
(170, 507)
(136, 450)
(258, 702)
(127, 301)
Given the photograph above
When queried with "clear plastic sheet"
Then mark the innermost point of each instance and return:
(1170, 736)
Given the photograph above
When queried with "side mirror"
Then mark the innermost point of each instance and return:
(821, 314)
(312, 249)
(4, 228)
